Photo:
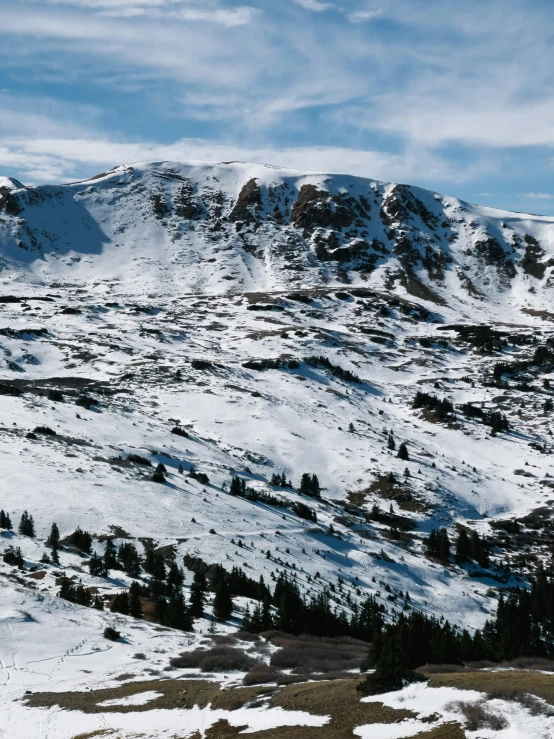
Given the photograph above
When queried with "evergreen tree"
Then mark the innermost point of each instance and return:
(403, 452)
(438, 544)
(177, 616)
(81, 540)
(223, 603)
(175, 577)
(12, 556)
(391, 444)
(135, 606)
(120, 604)
(54, 537)
(129, 559)
(154, 565)
(110, 556)
(235, 488)
(5, 521)
(160, 609)
(309, 485)
(198, 594)
(159, 473)
(462, 547)
(306, 484)
(96, 566)
(27, 525)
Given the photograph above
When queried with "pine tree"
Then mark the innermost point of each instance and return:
(236, 487)
(154, 565)
(306, 484)
(160, 609)
(54, 537)
(120, 604)
(129, 558)
(316, 490)
(391, 444)
(175, 577)
(27, 525)
(198, 594)
(96, 566)
(110, 556)
(462, 547)
(135, 606)
(159, 473)
(177, 615)
(223, 603)
(403, 452)
(5, 522)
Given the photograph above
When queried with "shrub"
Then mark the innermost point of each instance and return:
(85, 402)
(217, 659)
(46, 430)
(111, 634)
(12, 556)
(179, 431)
(259, 675)
(479, 716)
(137, 459)
(81, 540)
(307, 654)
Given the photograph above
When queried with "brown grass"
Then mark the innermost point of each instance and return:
(535, 683)
(338, 699)
(175, 694)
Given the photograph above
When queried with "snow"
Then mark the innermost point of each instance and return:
(444, 702)
(157, 294)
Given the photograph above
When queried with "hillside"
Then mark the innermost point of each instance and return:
(246, 321)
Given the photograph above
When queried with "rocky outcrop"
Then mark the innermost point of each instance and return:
(530, 262)
(248, 205)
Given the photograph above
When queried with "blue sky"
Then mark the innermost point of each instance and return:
(457, 97)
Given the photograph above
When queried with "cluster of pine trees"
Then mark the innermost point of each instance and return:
(296, 614)
(309, 485)
(443, 409)
(79, 594)
(523, 627)
(239, 489)
(495, 419)
(467, 547)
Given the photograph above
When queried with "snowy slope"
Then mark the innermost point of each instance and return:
(169, 228)
(157, 289)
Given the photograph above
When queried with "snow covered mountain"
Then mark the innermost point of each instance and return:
(244, 320)
(170, 228)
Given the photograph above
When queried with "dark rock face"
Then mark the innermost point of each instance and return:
(492, 253)
(530, 262)
(319, 209)
(185, 205)
(248, 205)
(9, 203)
(401, 203)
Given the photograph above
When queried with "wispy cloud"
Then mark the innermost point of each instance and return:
(429, 85)
(314, 5)
(539, 196)
(361, 16)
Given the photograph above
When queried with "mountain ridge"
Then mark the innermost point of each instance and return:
(249, 227)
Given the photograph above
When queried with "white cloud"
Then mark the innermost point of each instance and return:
(314, 5)
(539, 195)
(55, 159)
(362, 16)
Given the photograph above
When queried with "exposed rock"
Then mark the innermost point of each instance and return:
(492, 253)
(249, 202)
(530, 262)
